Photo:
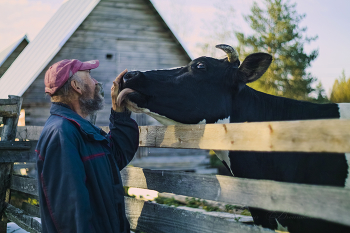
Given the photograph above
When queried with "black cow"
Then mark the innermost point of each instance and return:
(208, 90)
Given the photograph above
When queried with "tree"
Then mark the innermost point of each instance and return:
(341, 90)
(277, 32)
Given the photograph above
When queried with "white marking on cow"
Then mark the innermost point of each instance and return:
(223, 156)
(204, 121)
(173, 68)
(344, 112)
(223, 121)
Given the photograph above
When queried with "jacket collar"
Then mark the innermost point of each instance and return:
(86, 128)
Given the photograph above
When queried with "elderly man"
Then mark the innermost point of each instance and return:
(79, 165)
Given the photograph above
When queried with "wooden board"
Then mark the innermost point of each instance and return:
(155, 218)
(10, 145)
(299, 136)
(328, 203)
(8, 102)
(25, 185)
(22, 220)
(20, 155)
(8, 111)
(151, 217)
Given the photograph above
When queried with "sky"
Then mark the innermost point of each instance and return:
(193, 22)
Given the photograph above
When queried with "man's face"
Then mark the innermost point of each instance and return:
(91, 99)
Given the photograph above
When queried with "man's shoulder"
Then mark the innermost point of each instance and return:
(60, 125)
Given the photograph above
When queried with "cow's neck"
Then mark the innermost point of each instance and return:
(250, 105)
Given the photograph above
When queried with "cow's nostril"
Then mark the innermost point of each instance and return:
(130, 75)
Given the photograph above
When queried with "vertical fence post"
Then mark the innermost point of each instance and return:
(8, 134)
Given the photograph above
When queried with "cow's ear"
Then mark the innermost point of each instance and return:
(254, 66)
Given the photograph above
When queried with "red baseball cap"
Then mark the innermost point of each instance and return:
(58, 74)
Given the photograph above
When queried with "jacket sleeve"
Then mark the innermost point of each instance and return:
(63, 181)
(123, 137)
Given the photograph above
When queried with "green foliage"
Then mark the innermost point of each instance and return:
(341, 90)
(167, 201)
(197, 202)
(230, 208)
(246, 213)
(277, 32)
(321, 95)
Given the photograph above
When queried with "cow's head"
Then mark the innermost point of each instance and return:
(202, 91)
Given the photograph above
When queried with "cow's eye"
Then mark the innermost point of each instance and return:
(200, 66)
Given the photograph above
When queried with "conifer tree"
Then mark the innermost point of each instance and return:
(341, 90)
(277, 32)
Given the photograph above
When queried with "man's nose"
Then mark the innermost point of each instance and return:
(95, 81)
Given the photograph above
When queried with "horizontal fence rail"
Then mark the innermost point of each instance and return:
(150, 217)
(328, 203)
(8, 108)
(298, 136)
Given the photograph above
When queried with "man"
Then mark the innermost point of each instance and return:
(79, 165)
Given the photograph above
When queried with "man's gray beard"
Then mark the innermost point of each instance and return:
(91, 106)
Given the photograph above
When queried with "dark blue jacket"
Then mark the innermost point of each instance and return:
(79, 165)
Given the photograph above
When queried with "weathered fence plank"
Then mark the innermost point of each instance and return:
(303, 136)
(8, 102)
(8, 111)
(328, 203)
(156, 218)
(31, 209)
(298, 136)
(15, 145)
(26, 222)
(20, 155)
(25, 185)
(10, 114)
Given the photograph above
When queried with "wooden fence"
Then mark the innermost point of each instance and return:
(328, 203)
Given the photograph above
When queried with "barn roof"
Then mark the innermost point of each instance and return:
(36, 56)
(9, 50)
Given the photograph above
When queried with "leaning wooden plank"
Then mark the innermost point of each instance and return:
(8, 102)
(302, 136)
(328, 203)
(13, 145)
(8, 111)
(26, 222)
(155, 218)
(25, 185)
(20, 155)
(8, 134)
(31, 209)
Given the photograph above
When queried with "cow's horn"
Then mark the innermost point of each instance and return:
(232, 54)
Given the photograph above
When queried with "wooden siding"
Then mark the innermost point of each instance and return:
(13, 57)
(131, 31)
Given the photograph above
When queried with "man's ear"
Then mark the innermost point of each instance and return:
(76, 86)
(254, 66)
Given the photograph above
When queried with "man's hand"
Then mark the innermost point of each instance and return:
(115, 92)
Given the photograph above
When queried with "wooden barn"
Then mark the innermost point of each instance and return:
(9, 55)
(120, 34)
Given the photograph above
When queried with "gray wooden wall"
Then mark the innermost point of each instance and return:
(13, 57)
(131, 31)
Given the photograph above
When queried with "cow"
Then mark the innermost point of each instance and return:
(210, 90)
